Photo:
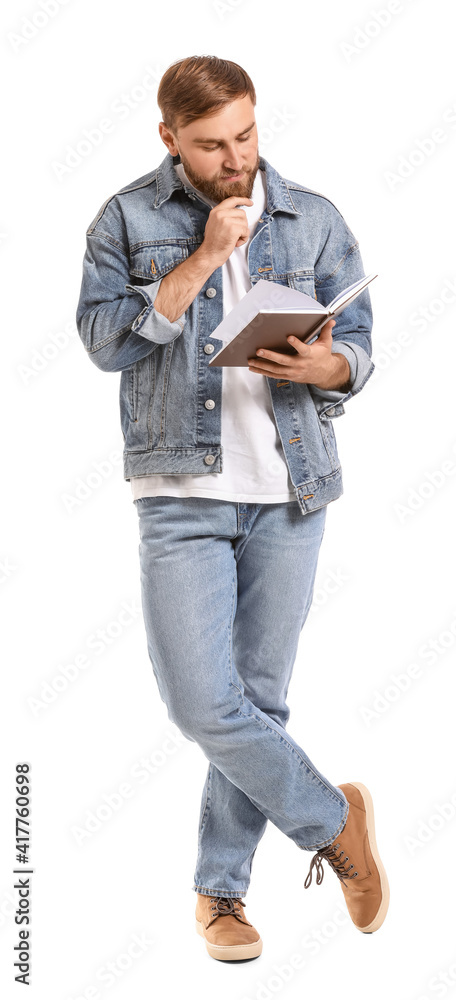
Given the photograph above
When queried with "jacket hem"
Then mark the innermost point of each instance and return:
(319, 492)
(173, 461)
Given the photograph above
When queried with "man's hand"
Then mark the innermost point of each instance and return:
(313, 363)
(226, 228)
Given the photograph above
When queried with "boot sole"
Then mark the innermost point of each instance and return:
(383, 908)
(231, 953)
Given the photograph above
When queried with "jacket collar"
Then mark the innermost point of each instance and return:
(278, 193)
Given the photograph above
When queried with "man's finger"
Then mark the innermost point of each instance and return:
(273, 356)
(233, 201)
(326, 331)
(299, 345)
(325, 336)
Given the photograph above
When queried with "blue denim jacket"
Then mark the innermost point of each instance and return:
(138, 236)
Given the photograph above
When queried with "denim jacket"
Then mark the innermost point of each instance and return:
(138, 236)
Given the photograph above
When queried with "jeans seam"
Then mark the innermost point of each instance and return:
(205, 810)
(230, 642)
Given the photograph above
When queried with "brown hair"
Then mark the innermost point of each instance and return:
(199, 86)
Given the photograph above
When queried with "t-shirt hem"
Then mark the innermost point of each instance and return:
(212, 495)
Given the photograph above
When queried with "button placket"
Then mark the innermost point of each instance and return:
(208, 348)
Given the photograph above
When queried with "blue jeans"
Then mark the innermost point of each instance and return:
(226, 588)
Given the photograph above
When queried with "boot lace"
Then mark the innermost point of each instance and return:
(335, 860)
(224, 905)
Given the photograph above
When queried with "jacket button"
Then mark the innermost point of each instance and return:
(211, 292)
(331, 411)
(210, 459)
(209, 404)
(208, 348)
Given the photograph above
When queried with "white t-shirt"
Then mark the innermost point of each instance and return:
(254, 466)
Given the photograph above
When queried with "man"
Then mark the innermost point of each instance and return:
(231, 471)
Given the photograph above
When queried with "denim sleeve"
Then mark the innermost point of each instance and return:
(339, 264)
(116, 321)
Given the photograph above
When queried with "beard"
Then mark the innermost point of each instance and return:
(216, 189)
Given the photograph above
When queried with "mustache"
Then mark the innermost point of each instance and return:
(232, 173)
(245, 170)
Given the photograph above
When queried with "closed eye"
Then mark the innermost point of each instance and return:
(216, 145)
(211, 149)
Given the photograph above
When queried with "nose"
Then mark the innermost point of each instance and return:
(233, 159)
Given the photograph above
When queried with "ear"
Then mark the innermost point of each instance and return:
(168, 138)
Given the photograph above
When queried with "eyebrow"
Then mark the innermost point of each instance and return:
(221, 140)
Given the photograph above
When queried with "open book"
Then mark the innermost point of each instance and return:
(270, 312)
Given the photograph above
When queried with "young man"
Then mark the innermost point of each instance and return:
(231, 471)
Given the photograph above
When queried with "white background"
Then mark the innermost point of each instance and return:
(360, 85)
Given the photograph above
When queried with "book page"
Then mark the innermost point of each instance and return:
(344, 298)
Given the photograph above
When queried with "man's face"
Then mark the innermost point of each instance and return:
(219, 154)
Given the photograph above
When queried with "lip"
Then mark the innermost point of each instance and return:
(234, 177)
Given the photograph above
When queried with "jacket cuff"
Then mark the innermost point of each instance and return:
(361, 368)
(150, 324)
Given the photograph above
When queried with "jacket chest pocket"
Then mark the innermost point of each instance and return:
(151, 261)
(303, 281)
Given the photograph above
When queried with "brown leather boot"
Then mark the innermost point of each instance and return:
(229, 935)
(355, 859)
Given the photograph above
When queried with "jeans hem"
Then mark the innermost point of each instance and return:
(228, 893)
(326, 843)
